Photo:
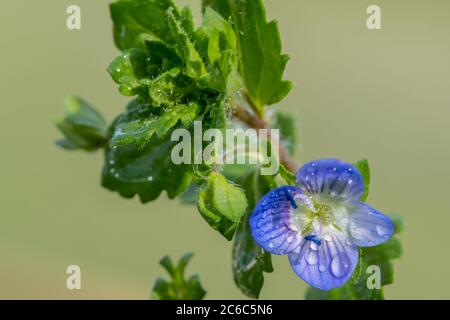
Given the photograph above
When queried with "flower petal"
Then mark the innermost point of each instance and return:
(331, 179)
(276, 221)
(325, 266)
(368, 227)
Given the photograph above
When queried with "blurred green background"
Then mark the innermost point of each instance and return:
(382, 95)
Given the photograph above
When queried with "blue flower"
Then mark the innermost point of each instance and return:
(320, 222)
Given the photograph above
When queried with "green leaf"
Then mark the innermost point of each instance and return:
(83, 127)
(364, 170)
(168, 89)
(262, 64)
(250, 261)
(222, 204)
(128, 69)
(288, 133)
(136, 21)
(141, 129)
(146, 171)
(356, 288)
(185, 49)
(217, 38)
(220, 6)
(178, 288)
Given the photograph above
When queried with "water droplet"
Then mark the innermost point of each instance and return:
(334, 169)
(271, 245)
(322, 268)
(348, 243)
(314, 246)
(382, 231)
(312, 258)
(289, 239)
(259, 225)
(350, 169)
(337, 267)
(327, 237)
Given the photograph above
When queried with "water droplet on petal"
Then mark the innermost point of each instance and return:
(382, 231)
(289, 239)
(322, 268)
(312, 258)
(314, 246)
(271, 245)
(327, 237)
(338, 269)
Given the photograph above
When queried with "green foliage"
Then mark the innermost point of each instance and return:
(83, 127)
(138, 20)
(222, 204)
(139, 127)
(145, 171)
(364, 169)
(250, 261)
(382, 255)
(178, 288)
(189, 74)
(262, 63)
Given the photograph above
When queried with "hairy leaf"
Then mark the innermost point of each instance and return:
(128, 69)
(185, 49)
(146, 171)
(141, 131)
(222, 204)
(216, 37)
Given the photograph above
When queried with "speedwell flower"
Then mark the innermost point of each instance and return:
(320, 222)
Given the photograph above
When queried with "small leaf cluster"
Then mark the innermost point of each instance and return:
(178, 288)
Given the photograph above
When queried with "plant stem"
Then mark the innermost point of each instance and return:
(255, 122)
